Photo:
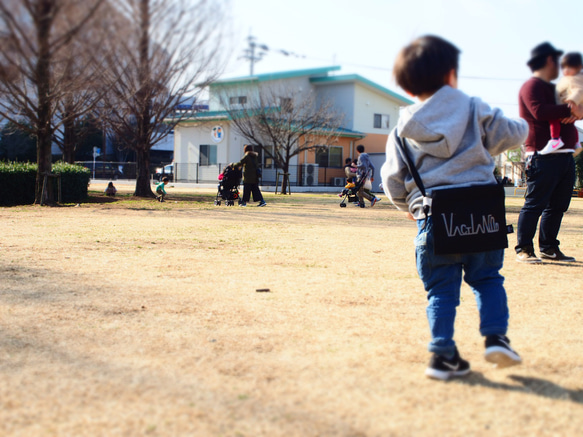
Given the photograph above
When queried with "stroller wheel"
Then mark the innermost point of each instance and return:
(230, 203)
(343, 205)
(217, 203)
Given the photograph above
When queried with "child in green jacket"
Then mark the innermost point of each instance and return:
(160, 190)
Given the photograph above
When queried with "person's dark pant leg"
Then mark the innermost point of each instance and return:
(552, 216)
(257, 196)
(549, 187)
(246, 192)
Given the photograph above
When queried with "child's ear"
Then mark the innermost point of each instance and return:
(451, 78)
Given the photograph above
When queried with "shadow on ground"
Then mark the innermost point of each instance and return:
(528, 385)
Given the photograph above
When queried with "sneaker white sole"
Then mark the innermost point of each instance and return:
(444, 375)
(568, 259)
(529, 260)
(501, 357)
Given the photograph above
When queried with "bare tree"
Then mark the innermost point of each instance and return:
(76, 110)
(164, 51)
(37, 49)
(284, 123)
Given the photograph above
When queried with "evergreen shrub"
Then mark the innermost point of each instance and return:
(579, 169)
(74, 182)
(18, 180)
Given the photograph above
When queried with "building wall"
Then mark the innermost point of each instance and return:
(342, 96)
(309, 157)
(187, 141)
(298, 87)
(374, 143)
(189, 137)
(366, 104)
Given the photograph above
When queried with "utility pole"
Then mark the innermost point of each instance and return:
(255, 52)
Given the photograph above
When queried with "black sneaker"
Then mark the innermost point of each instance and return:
(443, 368)
(554, 254)
(527, 256)
(499, 352)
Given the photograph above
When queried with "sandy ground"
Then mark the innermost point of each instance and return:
(133, 318)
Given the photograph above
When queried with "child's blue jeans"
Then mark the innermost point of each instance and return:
(442, 277)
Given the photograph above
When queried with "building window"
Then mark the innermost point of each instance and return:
(329, 157)
(286, 104)
(208, 154)
(381, 121)
(264, 159)
(238, 100)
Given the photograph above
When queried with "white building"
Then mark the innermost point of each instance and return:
(205, 141)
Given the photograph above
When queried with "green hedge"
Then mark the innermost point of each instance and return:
(18, 181)
(579, 169)
(74, 182)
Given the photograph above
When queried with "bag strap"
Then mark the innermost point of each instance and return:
(413, 171)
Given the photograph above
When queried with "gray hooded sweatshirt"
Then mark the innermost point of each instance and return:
(451, 139)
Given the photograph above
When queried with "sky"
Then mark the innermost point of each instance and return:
(364, 36)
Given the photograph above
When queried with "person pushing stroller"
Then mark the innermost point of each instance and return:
(364, 177)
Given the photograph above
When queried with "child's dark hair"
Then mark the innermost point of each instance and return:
(423, 66)
(360, 148)
(572, 59)
(165, 179)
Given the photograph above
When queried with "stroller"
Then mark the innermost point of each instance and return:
(228, 188)
(351, 193)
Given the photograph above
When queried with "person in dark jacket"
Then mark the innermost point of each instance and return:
(250, 177)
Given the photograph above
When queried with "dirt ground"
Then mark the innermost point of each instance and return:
(128, 317)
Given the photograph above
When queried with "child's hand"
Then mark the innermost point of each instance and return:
(576, 111)
(410, 216)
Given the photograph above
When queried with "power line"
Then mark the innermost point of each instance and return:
(493, 78)
(374, 67)
(255, 52)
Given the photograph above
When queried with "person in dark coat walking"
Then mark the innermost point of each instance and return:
(250, 177)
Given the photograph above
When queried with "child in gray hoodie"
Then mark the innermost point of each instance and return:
(451, 139)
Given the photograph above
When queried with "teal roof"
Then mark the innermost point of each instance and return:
(312, 73)
(358, 78)
(199, 116)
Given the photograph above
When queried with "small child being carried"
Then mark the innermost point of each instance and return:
(569, 90)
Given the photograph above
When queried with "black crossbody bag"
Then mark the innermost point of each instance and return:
(465, 220)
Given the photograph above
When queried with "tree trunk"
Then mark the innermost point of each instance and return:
(69, 142)
(69, 134)
(43, 81)
(143, 187)
(45, 163)
(285, 182)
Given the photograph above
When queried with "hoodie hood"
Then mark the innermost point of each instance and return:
(425, 124)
